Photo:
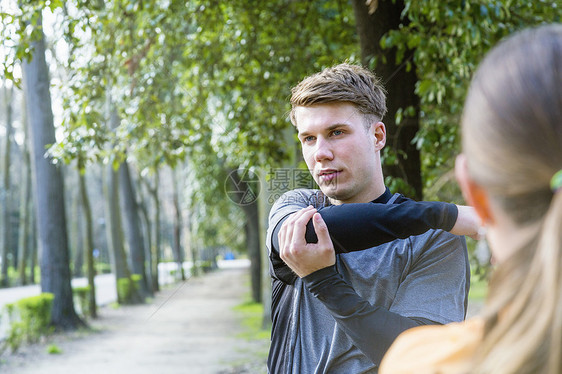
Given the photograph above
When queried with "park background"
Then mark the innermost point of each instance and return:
(140, 132)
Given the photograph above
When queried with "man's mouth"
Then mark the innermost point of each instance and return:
(328, 175)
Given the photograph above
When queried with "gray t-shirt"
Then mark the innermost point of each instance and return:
(424, 276)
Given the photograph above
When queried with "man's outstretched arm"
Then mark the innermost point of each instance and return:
(355, 227)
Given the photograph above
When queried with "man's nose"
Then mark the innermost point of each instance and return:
(323, 151)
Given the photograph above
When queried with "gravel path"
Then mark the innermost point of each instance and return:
(190, 328)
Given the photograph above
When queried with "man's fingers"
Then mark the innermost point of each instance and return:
(321, 229)
(304, 258)
(299, 227)
(291, 222)
(286, 233)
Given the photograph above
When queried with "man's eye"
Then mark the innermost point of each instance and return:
(308, 138)
(337, 132)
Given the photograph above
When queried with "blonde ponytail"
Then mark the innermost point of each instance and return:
(512, 138)
(551, 246)
(524, 310)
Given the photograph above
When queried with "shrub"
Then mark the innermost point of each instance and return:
(82, 294)
(30, 319)
(103, 268)
(126, 287)
(53, 349)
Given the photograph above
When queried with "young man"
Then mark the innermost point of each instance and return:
(343, 287)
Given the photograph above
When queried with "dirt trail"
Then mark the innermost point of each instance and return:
(190, 328)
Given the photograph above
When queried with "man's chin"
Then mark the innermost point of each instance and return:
(331, 191)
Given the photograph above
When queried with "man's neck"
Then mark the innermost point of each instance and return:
(365, 198)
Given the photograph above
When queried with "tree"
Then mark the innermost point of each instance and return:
(126, 291)
(241, 87)
(26, 253)
(245, 184)
(88, 243)
(444, 42)
(76, 232)
(177, 248)
(49, 195)
(131, 220)
(5, 201)
(398, 74)
(153, 228)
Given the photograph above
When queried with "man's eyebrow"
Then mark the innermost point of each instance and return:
(337, 125)
(302, 134)
(327, 129)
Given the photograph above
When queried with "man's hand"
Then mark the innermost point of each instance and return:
(467, 222)
(302, 257)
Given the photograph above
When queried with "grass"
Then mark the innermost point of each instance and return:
(53, 349)
(252, 319)
(478, 290)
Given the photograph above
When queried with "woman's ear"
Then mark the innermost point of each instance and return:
(380, 135)
(473, 193)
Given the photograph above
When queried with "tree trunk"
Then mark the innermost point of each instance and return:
(155, 227)
(400, 84)
(264, 205)
(34, 251)
(88, 245)
(49, 191)
(76, 237)
(192, 247)
(133, 227)
(4, 281)
(254, 248)
(115, 232)
(250, 208)
(176, 246)
(25, 206)
(143, 213)
(156, 237)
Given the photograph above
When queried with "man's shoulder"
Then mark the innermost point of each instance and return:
(292, 201)
(438, 246)
(433, 237)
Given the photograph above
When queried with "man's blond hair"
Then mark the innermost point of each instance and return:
(342, 83)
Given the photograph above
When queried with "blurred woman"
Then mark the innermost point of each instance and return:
(511, 172)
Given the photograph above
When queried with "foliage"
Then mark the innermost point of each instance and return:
(241, 87)
(103, 268)
(53, 349)
(204, 85)
(82, 295)
(30, 319)
(126, 287)
(205, 80)
(448, 39)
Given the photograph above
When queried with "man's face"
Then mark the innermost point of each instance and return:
(342, 155)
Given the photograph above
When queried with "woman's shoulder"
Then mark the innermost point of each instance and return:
(434, 349)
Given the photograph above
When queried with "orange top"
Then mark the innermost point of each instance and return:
(444, 349)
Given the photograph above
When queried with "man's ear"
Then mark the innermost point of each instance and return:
(472, 192)
(380, 135)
